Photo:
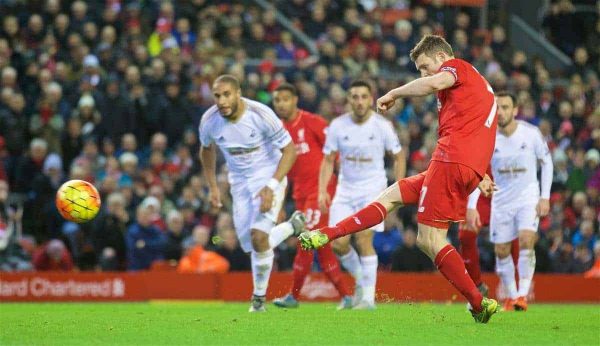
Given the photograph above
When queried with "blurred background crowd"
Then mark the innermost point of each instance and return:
(112, 92)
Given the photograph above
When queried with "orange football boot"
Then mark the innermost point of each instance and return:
(520, 304)
(509, 305)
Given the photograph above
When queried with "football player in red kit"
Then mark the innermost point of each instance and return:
(308, 134)
(467, 132)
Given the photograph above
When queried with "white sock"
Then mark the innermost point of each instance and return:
(369, 277)
(262, 263)
(351, 263)
(526, 269)
(280, 233)
(505, 267)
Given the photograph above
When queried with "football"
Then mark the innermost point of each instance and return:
(78, 201)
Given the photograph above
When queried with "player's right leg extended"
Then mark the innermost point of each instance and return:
(369, 216)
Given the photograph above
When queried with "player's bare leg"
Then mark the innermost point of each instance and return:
(505, 268)
(262, 264)
(526, 267)
(371, 215)
(432, 241)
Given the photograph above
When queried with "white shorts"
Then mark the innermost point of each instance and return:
(247, 215)
(505, 224)
(343, 206)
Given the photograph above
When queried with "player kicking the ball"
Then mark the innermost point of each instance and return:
(467, 132)
(308, 133)
(518, 204)
(259, 153)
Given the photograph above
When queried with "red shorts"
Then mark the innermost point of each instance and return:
(315, 219)
(441, 192)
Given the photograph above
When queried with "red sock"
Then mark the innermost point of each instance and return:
(451, 265)
(331, 268)
(470, 254)
(302, 265)
(369, 216)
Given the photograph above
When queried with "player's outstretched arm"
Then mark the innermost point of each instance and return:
(419, 87)
(208, 159)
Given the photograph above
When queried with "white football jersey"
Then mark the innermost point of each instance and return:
(362, 149)
(515, 165)
(251, 146)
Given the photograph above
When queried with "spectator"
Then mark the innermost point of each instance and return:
(175, 236)
(52, 256)
(385, 243)
(585, 235)
(110, 228)
(31, 165)
(594, 272)
(583, 259)
(561, 26)
(408, 257)
(144, 242)
(230, 249)
(12, 256)
(199, 260)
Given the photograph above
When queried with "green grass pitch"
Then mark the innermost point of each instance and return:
(187, 323)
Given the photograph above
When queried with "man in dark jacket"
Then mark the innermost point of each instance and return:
(408, 258)
(145, 242)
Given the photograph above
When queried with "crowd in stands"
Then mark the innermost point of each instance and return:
(112, 92)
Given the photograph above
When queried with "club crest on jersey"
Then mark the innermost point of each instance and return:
(301, 145)
(523, 146)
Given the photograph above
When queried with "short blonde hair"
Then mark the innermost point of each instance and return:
(429, 45)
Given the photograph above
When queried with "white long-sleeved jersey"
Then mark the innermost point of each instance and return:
(251, 146)
(514, 166)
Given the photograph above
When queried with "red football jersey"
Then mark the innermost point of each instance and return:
(467, 117)
(308, 134)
